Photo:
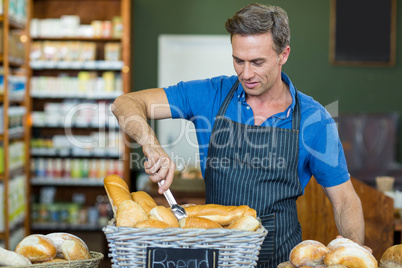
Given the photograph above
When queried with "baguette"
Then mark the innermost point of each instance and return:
(152, 224)
(164, 214)
(116, 190)
(37, 248)
(11, 258)
(245, 223)
(129, 213)
(198, 223)
(144, 200)
(224, 215)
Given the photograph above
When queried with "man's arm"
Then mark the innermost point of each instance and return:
(132, 111)
(348, 211)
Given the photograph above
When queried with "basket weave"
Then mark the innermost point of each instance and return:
(89, 263)
(128, 246)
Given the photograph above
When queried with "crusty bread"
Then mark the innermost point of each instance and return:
(11, 258)
(198, 223)
(245, 223)
(116, 190)
(129, 213)
(392, 257)
(144, 200)
(59, 238)
(164, 214)
(152, 224)
(54, 260)
(74, 250)
(224, 215)
(340, 241)
(36, 248)
(308, 253)
(352, 256)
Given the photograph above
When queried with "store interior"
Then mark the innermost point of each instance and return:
(64, 62)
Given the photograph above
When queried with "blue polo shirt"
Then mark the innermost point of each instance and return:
(320, 150)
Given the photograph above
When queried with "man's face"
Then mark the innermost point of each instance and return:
(256, 63)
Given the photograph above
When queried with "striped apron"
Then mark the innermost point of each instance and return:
(257, 166)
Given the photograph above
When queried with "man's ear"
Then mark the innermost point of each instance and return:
(283, 57)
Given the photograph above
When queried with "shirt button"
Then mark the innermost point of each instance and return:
(248, 107)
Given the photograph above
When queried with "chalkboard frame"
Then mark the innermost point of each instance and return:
(348, 59)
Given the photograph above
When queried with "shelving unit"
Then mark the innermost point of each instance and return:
(76, 140)
(14, 129)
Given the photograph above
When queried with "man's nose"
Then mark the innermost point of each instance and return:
(248, 71)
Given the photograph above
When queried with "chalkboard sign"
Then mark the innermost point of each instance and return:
(181, 257)
(363, 32)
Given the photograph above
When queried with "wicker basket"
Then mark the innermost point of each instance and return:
(89, 263)
(128, 246)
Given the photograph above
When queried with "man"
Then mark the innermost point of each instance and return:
(267, 139)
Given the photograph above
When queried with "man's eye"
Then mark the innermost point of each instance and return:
(239, 61)
(257, 63)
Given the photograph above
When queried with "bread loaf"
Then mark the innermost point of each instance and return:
(59, 238)
(198, 223)
(245, 223)
(392, 257)
(308, 252)
(224, 215)
(152, 224)
(11, 258)
(351, 256)
(74, 250)
(285, 265)
(116, 190)
(36, 248)
(144, 200)
(164, 214)
(129, 213)
(340, 241)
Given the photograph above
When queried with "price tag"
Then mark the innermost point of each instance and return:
(181, 258)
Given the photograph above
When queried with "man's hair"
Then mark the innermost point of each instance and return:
(258, 19)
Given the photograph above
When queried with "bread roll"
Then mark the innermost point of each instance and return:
(198, 223)
(392, 257)
(351, 256)
(245, 223)
(152, 224)
(129, 213)
(59, 238)
(224, 215)
(144, 200)
(308, 252)
(11, 258)
(74, 250)
(36, 248)
(340, 241)
(116, 190)
(164, 214)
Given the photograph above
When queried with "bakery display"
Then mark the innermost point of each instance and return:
(339, 253)
(44, 249)
(392, 257)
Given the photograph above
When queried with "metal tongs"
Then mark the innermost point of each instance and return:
(178, 211)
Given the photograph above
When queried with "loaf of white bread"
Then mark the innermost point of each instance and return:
(339, 253)
(54, 247)
(392, 257)
(139, 210)
(11, 258)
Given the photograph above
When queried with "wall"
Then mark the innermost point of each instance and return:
(358, 89)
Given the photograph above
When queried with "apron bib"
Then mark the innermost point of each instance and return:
(257, 166)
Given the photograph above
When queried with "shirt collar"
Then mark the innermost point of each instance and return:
(241, 96)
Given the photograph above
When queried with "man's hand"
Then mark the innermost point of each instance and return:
(158, 166)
